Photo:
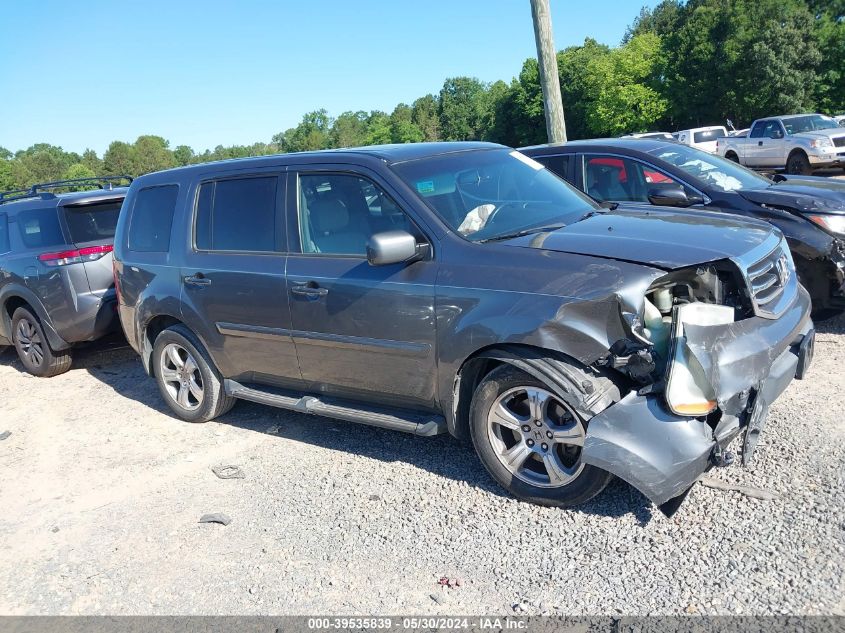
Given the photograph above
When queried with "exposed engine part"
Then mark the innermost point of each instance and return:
(663, 300)
(632, 359)
(718, 283)
(721, 457)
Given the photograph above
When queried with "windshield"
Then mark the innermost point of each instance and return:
(715, 171)
(809, 123)
(92, 222)
(489, 194)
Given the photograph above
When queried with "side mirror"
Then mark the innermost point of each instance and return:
(393, 247)
(672, 196)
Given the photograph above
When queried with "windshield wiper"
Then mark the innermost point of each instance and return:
(528, 231)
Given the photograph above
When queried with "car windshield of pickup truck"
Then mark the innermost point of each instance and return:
(808, 123)
(486, 195)
(716, 171)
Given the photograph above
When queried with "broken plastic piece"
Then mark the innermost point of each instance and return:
(4, 435)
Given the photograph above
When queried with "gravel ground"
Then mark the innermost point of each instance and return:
(102, 491)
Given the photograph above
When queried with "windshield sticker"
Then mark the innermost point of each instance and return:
(525, 159)
(425, 186)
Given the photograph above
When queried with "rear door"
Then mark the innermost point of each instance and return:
(234, 290)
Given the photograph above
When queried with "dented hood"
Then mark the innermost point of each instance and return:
(803, 194)
(662, 238)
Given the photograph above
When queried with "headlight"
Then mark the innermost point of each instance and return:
(833, 223)
(819, 143)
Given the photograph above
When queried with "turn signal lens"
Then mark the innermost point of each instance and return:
(832, 223)
(696, 409)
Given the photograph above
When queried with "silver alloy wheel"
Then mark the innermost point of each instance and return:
(536, 436)
(30, 342)
(181, 376)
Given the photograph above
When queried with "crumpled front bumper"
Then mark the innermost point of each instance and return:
(749, 363)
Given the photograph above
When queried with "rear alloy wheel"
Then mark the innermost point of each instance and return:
(187, 379)
(36, 355)
(530, 440)
(798, 164)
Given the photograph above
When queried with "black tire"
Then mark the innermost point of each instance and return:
(587, 483)
(33, 348)
(214, 401)
(732, 157)
(798, 164)
(825, 314)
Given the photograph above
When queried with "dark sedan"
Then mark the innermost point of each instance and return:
(809, 211)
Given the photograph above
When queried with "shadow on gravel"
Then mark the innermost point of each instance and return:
(112, 362)
(836, 325)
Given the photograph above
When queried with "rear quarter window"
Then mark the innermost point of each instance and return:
(4, 233)
(152, 219)
(92, 222)
(40, 227)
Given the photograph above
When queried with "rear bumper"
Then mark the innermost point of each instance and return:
(94, 317)
(749, 363)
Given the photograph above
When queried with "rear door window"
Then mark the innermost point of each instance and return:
(92, 222)
(238, 214)
(152, 219)
(708, 135)
(40, 228)
(557, 164)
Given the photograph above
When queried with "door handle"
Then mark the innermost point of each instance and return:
(759, 143)
(308, 289)
(197, 280)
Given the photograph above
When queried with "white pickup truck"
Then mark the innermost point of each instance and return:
(798, 143)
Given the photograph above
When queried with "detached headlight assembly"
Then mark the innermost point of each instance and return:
(832, 223)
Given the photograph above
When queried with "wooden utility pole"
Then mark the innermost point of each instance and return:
(549, 79)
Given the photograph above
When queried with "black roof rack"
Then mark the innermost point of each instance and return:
(41, 190)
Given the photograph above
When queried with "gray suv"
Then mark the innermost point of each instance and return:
(56, 281)
(464, 288)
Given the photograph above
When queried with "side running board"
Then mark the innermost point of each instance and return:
(409, 422)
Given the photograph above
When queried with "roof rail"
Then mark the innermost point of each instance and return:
(42, 189)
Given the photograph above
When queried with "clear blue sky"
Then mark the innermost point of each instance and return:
(207, 72)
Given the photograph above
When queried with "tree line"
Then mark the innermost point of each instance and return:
(680, 64)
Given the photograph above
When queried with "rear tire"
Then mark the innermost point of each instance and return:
(529, 440)
(33, 348)
(798, 164)
(187, 378)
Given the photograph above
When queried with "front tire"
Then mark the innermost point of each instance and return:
(530, 440)
(33, 348)
(798, 164)
(187, 379)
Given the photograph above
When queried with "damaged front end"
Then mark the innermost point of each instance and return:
(710, 348)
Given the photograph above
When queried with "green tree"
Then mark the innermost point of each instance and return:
(349, 129)
(151, 153)
(425, 115)
(576, 66)
(312, 133)
(378, 128)
(92, 161)
(402, 126)
(624, 87)
(463, 109)
(183, 155)
(78, 170)
(119, 159)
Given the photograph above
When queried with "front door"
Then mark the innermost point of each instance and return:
(361, 331)
(234, 291)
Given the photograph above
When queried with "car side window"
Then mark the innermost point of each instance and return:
(152, 219)
(758, 130)
(773, 130)
(558, 164)
(40, 228)
(237, 214)
(339, 212)
(616, 179)
(4, 233)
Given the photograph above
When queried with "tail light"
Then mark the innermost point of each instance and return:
(76, 256)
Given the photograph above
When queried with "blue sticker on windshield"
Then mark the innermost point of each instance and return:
(426, 186)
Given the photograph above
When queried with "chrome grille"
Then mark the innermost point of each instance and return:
(839, 141)
(768, 279)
